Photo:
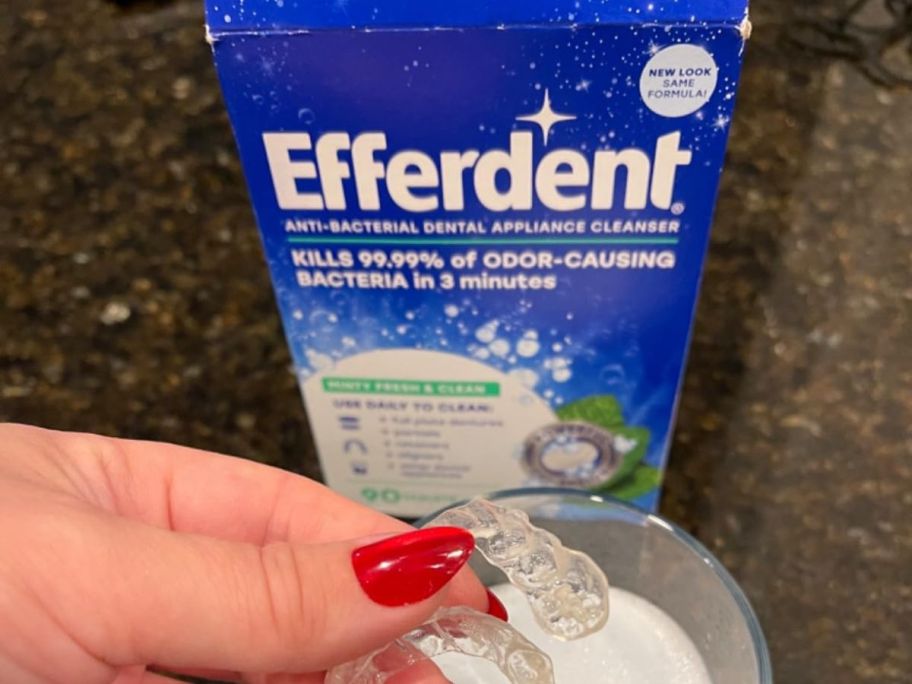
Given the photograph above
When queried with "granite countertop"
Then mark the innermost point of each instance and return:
(135, 301)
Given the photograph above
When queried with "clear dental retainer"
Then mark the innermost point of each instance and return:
(566, 590)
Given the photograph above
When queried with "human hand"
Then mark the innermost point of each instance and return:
(119, 558)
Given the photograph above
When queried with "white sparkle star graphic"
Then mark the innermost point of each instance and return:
(654, 48)
(721, 122)
(546, 117)
(583, 85)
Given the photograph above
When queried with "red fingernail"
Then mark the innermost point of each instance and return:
(496, 608)
(411, 567)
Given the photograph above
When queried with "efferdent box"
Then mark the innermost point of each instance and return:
(485, 223)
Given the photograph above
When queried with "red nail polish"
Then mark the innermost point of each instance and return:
(496, 608)
(411, 567)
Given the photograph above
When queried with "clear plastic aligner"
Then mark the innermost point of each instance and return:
(567, 591)
(451, 630)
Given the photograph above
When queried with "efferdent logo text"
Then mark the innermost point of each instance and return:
(563, 179)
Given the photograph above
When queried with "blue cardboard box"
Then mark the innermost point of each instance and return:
(485, 224)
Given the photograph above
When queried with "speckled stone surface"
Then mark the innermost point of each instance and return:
(135, 301)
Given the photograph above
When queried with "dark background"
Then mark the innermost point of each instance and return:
(134, 299)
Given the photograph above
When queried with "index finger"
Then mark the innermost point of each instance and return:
(200, 492)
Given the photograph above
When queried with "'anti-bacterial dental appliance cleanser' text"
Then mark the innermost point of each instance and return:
(486, 224)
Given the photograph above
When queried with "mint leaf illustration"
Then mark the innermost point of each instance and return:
(643, 480)
(603, 410)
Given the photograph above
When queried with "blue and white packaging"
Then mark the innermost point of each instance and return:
(486, 224)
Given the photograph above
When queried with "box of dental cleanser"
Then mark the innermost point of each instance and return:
(485, 224)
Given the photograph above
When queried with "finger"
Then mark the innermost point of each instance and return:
(285, 678)
(149, 678)
(204, 673)
(140, 675)
(185, 601)
(195, 491)
(190, 490)
(423, 672)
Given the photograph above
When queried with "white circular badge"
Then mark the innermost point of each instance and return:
(678, 80)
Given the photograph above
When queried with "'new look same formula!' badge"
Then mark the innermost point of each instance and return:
(485, 224)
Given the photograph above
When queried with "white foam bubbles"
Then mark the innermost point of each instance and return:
(318, 360)
(500, 347)
(612, 375)
(559, 367)
(321, 318)
(487, 332)
(528, 345)
(526, 376)
(482, 353)
(561, 374)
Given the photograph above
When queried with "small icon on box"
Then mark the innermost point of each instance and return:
(354, 445)
(350, 422)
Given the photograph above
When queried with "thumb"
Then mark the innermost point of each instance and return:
(185, 601)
